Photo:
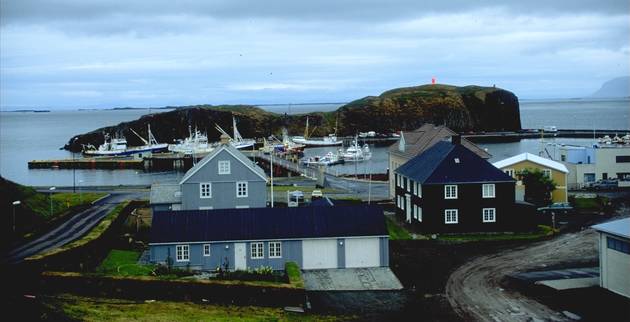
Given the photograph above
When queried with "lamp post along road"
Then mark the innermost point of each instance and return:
(15, 203)
(51, 189)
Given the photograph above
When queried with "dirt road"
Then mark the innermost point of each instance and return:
(474, 289)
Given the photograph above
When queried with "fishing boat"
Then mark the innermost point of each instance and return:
(195, 144)
(330, 140)
(328, 159)
(356, 153)
(236, 140)
(117, 146)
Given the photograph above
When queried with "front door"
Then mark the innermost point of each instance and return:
(408, 206)
(240, 256)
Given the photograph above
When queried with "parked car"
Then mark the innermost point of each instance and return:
(316, 194)
(604, 185)
(296, 195)
(557, 208)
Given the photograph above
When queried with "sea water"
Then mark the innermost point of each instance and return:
(39, 136)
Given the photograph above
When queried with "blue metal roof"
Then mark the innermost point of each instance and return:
(451, 163)
(267, 223)
(620, 227)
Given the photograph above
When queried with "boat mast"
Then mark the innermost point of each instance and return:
(306, 129)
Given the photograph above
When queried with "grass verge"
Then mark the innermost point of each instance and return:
(543, 231)
(61, 202)
(396, 232)
(123, 263)
(102, 309)
(95, 233)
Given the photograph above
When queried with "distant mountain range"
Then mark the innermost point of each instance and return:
(614, 88)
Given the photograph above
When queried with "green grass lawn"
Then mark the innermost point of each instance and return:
(395, 231)
(542, 231)
(295, 275)
(102, 309)
(63, 201)
(589, 203)
(123, 263)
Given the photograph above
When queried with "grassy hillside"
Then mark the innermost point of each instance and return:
(460, 108)
(34, 210)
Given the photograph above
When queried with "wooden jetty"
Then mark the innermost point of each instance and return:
(88, 163)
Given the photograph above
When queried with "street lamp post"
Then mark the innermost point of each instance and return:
(51, 189)
(80, 192)
(15, 203)
(74, 170)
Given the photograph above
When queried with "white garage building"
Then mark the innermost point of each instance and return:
(614, 256)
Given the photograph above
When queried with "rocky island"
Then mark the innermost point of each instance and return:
(460, 108)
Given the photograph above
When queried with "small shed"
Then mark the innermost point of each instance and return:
(614, 256)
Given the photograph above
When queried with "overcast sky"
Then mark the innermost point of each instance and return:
(77, 53)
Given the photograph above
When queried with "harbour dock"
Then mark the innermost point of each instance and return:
(87, 163)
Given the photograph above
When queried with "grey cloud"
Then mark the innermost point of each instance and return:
(34, 11)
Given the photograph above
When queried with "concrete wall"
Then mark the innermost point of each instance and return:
(560, 178)
(224, 186)
(614, 267)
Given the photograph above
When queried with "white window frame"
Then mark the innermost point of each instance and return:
(238, 183)
(275, 249)
(420, 214)
(547, 173)
(415, 212)
(418, 189)
(397, 180)
(454, 214)
(182, 253)
(201, 194)
(409, 183)
(450, 194)
(206, 250)
(492, 214)
(257, 250)
(224, 167)
(488, 195)
(509, 172)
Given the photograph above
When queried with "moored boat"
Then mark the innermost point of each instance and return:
(328, 159)
(356, 153)
(196, 143)
(117, 146)
(330, 140)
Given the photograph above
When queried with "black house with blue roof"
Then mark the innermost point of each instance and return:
(448, 188)
(318, 237)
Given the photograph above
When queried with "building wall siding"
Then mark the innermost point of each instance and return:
(224, 186)
(219, 255)
(559, 177)
(469, 204)
(614, 268)
(291, 252)
(384, 242)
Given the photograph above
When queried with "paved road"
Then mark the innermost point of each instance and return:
(474, 290)
(360, 188)
(70, 230)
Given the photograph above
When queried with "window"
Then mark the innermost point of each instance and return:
(397, 180)
(546, 173)
(257, 250)
(417, 213)
(409, 183)
(418, 190)
(224, 167)
(205, 190)
(489, 215)
(206, 249)
(275, 250)
(241, 189)
(618, 245)
(622, 158)
(509, 172)
(589, 177)
(563, 158)
(450, 192)
(450, 216)
(182, 253)
(488, 190)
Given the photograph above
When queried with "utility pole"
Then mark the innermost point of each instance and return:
(51, 189)
(370, 183)
(74, 170)
(15, 203)
(271, 172)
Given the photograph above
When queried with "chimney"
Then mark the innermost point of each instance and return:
(456, 139)
(225, 139)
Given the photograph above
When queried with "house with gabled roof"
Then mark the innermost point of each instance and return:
(313, 237)
(417, 141)
(449, 188)
(225, 178)
(554, 170)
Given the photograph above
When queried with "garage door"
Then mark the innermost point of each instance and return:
(363, 252)
(319, 253)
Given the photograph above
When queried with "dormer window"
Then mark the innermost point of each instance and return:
(456, 160)
(224, 167)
